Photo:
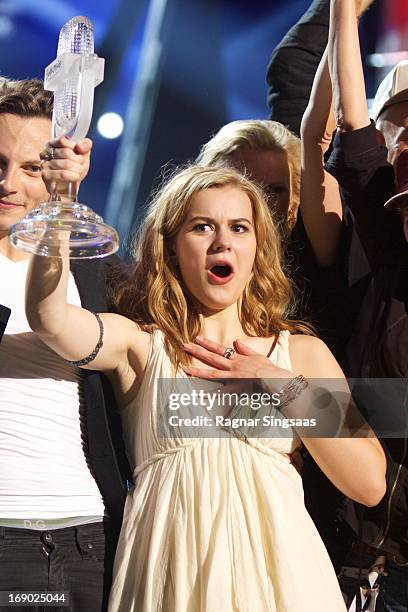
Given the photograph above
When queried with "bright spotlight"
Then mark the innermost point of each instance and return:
(110, 125)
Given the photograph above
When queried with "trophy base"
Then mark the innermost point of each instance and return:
(56, 224)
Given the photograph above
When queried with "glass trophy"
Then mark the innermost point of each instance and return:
(72, 76)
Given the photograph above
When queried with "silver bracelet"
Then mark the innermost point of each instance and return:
(292, 390)
(91, 356)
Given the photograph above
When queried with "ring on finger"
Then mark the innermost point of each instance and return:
(229, 352)
(47, 155)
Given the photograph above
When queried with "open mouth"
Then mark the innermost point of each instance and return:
(221, 271)
(220, 274)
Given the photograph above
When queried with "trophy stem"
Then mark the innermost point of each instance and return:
(72, 192)
(67, 193)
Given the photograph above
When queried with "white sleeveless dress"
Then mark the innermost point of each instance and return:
(215, 524)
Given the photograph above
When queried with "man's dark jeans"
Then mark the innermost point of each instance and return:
(77, 560)
(393, 594)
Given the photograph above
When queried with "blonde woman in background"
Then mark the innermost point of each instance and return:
(269, 153)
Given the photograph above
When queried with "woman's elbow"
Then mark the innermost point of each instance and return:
(372, 492)
(40, 323)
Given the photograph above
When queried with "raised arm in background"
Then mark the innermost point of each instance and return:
(290, 76)
(349, 94)
(320, 201)
(294, 62)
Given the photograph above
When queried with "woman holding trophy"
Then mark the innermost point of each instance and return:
(213, 522)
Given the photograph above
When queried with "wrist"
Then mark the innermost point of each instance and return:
(290, 392)
(274, 384)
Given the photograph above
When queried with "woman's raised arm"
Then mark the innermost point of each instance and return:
(71, 331)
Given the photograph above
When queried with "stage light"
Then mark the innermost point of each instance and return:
(110, 125)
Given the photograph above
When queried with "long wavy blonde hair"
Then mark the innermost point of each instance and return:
(257, 135)
(154, 295)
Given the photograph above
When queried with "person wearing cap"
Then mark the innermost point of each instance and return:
(370, 162)
(390, 112)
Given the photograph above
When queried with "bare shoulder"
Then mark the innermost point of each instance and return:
(302, 343)
(311, 357)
